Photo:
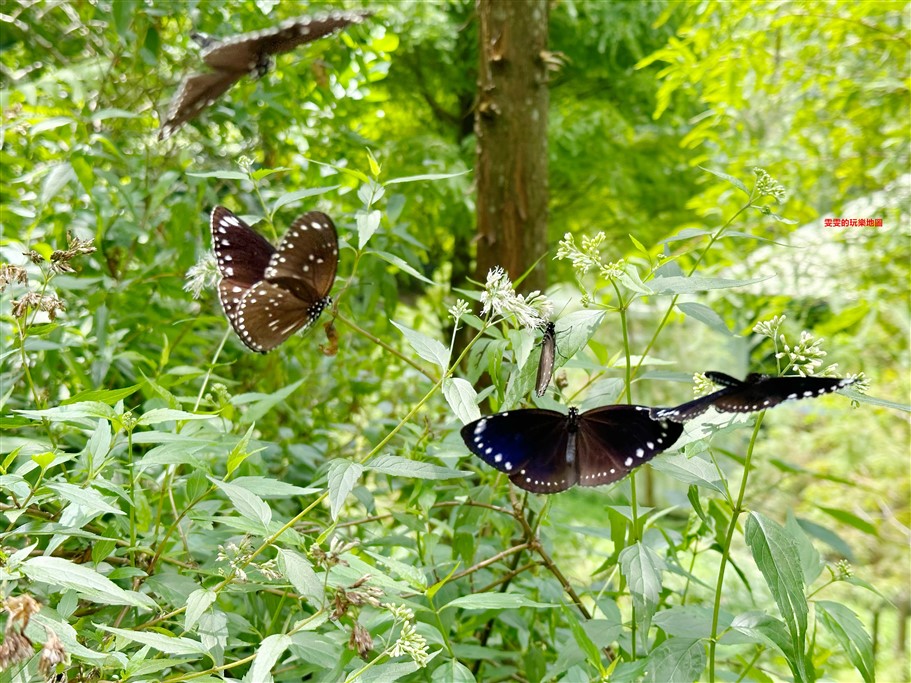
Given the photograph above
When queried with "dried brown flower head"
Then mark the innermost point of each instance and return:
(20, 609)
(14, 649)
(34, 257)
(360, 640)
(52, 654)
(9, 273)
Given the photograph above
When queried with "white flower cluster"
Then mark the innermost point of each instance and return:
(767, 186)
(410, 642)
(202, 275)
(500, 299)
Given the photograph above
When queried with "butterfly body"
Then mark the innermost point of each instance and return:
(249, 53)
(544, 451)
(268, 294)
(756, 392)
(548, 358)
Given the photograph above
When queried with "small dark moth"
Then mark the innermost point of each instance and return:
(544, 451)
(548, 357)
(756, 392)
(248, 53)
(269, 294)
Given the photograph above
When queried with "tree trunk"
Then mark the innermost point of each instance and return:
(511, 129)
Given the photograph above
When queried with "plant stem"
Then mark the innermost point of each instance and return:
(726, 551)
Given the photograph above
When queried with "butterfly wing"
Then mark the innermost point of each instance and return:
(307, 258)
(767, 392)
(614, 440)
(267, 314)
(528, 445)
(546, 363)
(195, 94)
(242, 256)
(691, 409)
(250, 51)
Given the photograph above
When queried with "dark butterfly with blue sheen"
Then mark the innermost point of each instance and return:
(548, 357)
(544, 451)
(756, 392)
(269, 294)
(248, 53)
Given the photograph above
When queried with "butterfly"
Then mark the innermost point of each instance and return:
(756, 392)
(544, 451)
(548, 356)
(269, 294)
(248, 53)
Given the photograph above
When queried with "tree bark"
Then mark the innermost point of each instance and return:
(511, 130)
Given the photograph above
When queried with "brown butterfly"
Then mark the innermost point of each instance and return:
(248, 53)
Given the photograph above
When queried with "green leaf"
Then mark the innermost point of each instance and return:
(426, 347)
(198, 602)
(778, 558)
(696, 470)
(59, 177)
(402, 265)
(736, 182)
(642, 569)
(159, 415)
(223, 175)
(261, 173)
(706, 316)
(374, 166)
(266, 487)
(426, 176)
(240, 452)
(247, 504)
(484, 601)
(452, 671)
(368, 222)
(462, 398)
(435, 588)
(343, 475)
(297, 195)
(109, 396)
(75, 411)
(677, 660)
(851, 635)
(810, 561)
(398, 466)
(592, 653)
(298, 570)
(63, 574)
(260, 404)
(850, 519)
(271, 648)
(89, 499)
(689, 621)
(167, 644)
(677, 284)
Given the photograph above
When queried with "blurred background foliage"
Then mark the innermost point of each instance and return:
(644, 95)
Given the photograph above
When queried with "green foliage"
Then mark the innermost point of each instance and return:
(183, 509)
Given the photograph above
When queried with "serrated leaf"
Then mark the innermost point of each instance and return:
(89, 499)
(63, 574)
(778, 559)
(343, 475)
(642, 569)
(398, 466)
(462, 398)
(267, 655)
(162, 643)
(240, 453)
(689, 621)
(198, 602)
(677, 660)
(299, 572)
(247, 504)
(484, 601)
(426, 347)
(452, 671)
(851, 635)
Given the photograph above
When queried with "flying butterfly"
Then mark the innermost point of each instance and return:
(548, 357)
(756, 392)
(544, 451)
(248, 53)
(269, 294)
